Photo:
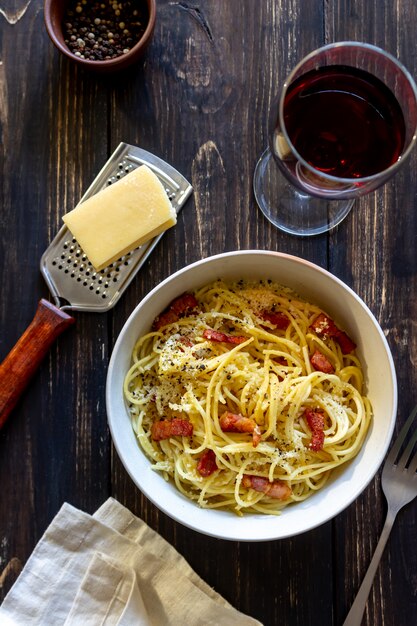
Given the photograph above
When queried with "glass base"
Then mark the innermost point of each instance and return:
(290, 209)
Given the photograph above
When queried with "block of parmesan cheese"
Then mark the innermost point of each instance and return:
(121, 217)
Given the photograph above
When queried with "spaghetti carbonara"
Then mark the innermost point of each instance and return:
(246, 396)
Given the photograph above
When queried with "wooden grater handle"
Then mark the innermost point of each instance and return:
(24, 359)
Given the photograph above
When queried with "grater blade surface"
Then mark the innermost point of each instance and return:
(66, 269)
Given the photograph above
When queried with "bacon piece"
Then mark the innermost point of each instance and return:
(277, 489)
(235, 423)
(207, 463)
(325, 327)
(345, 342)
(278, 319)
(280, 360)
(178, 307)
(315, 421)
(164, 429)
(321, 363)
(164, 319)
(184, 303)
(214, 335)
(184, 341)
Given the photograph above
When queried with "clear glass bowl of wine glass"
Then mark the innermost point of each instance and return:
(343, 123)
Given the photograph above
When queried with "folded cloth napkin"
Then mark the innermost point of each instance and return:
(111, 569)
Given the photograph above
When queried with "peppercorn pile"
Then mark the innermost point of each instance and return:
(98, 31)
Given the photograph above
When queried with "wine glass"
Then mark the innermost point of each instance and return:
(344, 123)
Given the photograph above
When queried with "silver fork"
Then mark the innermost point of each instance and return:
(399, 484)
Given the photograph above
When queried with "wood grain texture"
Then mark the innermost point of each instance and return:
(378, 238)
(200, 100)
(54, 141)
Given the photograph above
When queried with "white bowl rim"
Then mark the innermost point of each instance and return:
(189, 521)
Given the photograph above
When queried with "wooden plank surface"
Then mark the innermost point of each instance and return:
(200, 100)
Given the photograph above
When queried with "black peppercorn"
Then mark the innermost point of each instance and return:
(103, 30)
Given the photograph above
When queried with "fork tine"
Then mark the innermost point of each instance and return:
(407, 452)
(413, 464)
(400, 440)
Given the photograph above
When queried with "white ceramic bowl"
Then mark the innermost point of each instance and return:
(339, 301)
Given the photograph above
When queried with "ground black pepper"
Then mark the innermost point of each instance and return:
(99, 31)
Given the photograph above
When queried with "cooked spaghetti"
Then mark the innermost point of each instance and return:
(246, 396)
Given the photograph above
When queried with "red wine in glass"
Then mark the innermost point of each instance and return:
(344, 121)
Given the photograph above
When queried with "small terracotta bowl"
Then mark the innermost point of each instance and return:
(54, 13)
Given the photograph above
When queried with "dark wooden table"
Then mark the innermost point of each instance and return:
(199, 100)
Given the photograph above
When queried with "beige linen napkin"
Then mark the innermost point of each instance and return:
(111, 569)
